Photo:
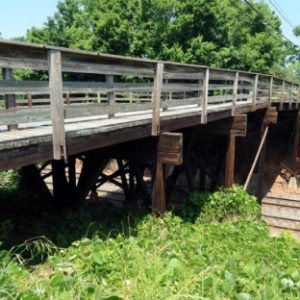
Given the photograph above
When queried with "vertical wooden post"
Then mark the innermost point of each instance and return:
(282, 94)
(158, 193)
(165, 98)
(271, 90)
(156, 97)
(296, 143)
(68, 101)
(230, 161)
(110, 95)
(130, 96)
(255, 91)
(263, 139)
(61, 188)
(10, 99)
(57, 106)
(29, 99)
(205, 97)
(235, 93)
(291, 97)
(98, 98)
(261, 165)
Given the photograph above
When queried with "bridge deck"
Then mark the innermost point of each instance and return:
(69, 111)
(33, 133)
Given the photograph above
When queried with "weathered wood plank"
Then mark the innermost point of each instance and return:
(255, 90)
(170, 148)
(230, 161)
(235, 92)
(282, 94)
(205, 97)
(110, 95)
(156, 97)
(10, 99)
(284, 212)
(57, 109)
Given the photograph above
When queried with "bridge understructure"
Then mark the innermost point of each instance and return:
(170, 128)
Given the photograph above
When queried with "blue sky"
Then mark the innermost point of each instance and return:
(17, 16)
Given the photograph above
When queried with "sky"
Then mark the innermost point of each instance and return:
(16, 16)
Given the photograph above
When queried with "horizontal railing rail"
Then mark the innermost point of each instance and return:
(121, 85)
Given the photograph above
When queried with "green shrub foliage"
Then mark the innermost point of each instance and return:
(222, 205)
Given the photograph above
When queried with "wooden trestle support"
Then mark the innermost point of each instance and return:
(160, 168)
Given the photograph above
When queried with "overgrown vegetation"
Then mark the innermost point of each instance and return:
(217, 250)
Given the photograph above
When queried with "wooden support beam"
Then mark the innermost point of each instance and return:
(93, 166)
(10, 99)
(72, 172)
(57, 105)
(235, 92)
(262, 142)
(238, 128)
(169, 151)
(270, 118)
(31, 179)
(236, 125)
(158, 192)
(230, 161)
(61, 189)
(205, 97)
(156, 97)
(124, 179)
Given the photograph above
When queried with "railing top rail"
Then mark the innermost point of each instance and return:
(16, 47)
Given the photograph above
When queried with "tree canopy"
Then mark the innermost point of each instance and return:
(220, 33)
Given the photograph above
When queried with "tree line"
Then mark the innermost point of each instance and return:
(218, 33)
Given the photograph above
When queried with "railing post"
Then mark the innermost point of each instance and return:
(255, 90)
(57, 105)
(29, 99)
(205, 97)
(110, 95)
(10, 99)
(98, 98)
(156, 97)
(271, 90)
(298, 100)
(291, 97)
(282, 94)
(235, 93)
(68, 100)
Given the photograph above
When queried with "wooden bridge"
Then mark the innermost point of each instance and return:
(94, 107)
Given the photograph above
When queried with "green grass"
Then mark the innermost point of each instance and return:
(165, 258)
(217, 249)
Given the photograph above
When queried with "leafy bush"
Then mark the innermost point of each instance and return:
(224, 204)
(230, 203)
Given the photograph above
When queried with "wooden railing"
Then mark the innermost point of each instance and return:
(119, 85)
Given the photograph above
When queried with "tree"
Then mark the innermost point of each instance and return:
(291, 70)
(220, 33)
